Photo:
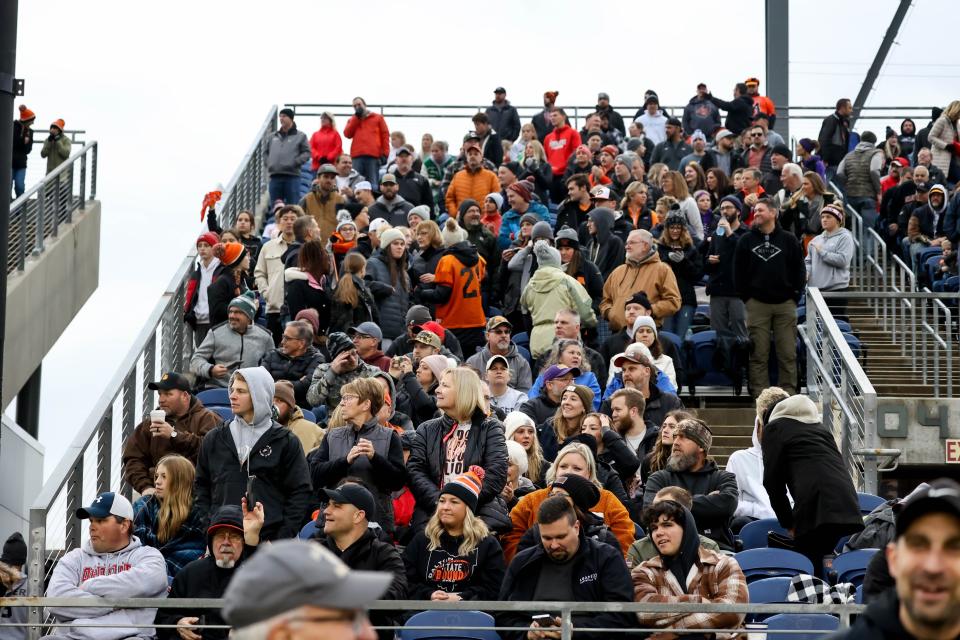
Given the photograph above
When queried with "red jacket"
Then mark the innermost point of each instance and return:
(370, 136)
(325, 146)
(559, 146)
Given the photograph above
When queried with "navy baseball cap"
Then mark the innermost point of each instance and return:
(107, 504)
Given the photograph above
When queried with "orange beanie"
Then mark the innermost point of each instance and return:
(25, 114)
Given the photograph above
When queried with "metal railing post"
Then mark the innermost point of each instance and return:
(71, 539)
(566, 624)
(57, 205)
(41, 214)
(83, 183)
(93, 171)
(105, 453)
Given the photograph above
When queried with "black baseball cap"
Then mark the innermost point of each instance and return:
(942, 496)
(171, 380)
(352, 493)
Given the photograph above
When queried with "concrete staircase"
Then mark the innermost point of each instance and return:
(731, 421)
(893, 371)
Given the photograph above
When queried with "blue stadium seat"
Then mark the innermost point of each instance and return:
(858, 598)
(855, 345)
(869, 502)
(771, 563)
(214, 398)
(754, 534)
(931, 266)
(699, 348)
(308, 415)
(844, 326)
(307, 176)
(816, 623)
(851, 566)
(767, 590)
(223, 412)
(929, 252)
(442, 619)
(673, 338)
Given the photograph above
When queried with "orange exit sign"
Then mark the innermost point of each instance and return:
(953, 451)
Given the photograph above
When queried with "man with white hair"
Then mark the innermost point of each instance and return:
(112, 563)
(793, 205)
(642, 271)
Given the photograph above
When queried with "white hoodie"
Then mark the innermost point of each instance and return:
(136, 571)
(747, 466)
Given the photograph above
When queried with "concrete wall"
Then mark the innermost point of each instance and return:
(920, 428)
(21, 458)
(44, 299)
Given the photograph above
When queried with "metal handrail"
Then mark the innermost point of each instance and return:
(836, 378)
(565, 608)
(92, 462)
(577, 112)
(37, 214)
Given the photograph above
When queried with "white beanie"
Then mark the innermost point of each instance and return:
(497, 199)
(452, 233)
(515, 420)
(517, 455)
(344, 218)
(389, 236)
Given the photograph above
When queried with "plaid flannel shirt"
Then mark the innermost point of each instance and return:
(715, 579)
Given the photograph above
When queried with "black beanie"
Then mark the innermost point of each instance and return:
(584, 493)
(337, 343)
(14, 550)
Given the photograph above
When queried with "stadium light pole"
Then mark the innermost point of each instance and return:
(8, 63)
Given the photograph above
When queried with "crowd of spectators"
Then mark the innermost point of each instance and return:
(480, 341)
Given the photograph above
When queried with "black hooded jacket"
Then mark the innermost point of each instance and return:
(739, 112)
(881, 621)
(604, 249)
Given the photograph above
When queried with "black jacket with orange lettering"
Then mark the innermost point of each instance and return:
(474, 576)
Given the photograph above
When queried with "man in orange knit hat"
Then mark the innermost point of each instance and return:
(22, 146)
(56, 148)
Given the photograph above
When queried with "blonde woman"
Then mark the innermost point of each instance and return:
(577, 459)
(520, 428)
(166, 520)
(519, 148)
(465, 436)
(673, 184)
(455, 557)
(943, 140)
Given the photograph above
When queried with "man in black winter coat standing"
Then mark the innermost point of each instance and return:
(800, 456)
(715, 493)
(739, 110)
(834, 137)
(770, 276)
(503, 116)
(232, 537)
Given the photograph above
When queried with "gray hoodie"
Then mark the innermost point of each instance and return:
(136, 571)
(262, 388)
(225, 346)
(828, 260)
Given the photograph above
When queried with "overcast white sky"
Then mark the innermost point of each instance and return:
(175, 91)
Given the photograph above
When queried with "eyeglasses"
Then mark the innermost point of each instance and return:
(756, 135)
(357, 618)
(286, 337)
(348, 397)
(360, 336)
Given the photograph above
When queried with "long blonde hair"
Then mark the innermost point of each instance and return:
(584, 452)
(474, 531)
(177, 501)
(470, 396)
(535, 453)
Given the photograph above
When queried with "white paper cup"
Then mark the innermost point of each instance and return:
(158, 415)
